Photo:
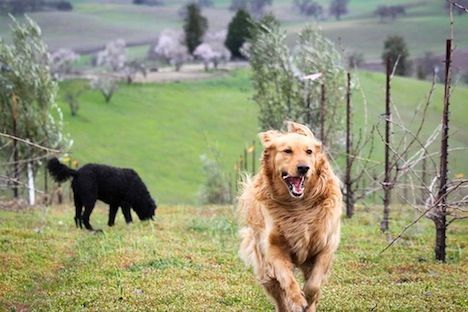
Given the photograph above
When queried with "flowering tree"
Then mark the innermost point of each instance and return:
(212, 50)
(61, 62)
(170, 48)
(113, 56)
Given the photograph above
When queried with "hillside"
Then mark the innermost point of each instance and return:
(162, 129)
(93, 23)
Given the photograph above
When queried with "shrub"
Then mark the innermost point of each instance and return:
(215, 189)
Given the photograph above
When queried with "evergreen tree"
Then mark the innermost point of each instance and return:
(195, 27)
(238, 32)
(394, 47)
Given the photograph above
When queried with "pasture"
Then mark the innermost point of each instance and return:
(187, 261)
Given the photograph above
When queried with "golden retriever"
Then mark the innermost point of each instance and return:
(290, 212)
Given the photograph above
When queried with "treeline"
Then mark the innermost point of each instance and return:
(16, 7)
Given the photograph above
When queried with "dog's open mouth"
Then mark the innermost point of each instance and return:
(295, 185)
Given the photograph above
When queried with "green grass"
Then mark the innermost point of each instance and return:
(187, 261)
(161, 130)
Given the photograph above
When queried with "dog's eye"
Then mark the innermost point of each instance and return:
(309, 151)
(288, 151)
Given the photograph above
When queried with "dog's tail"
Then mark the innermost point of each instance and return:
(59, 171)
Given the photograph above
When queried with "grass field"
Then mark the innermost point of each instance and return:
(162, 129)
(187, 261)
(92, 24)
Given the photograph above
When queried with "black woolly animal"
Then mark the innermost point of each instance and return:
(117, 187)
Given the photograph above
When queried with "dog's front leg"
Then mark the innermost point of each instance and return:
(280, 268)
(314, 275)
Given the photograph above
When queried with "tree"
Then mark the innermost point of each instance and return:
(391, 11)
(429, 65)
(238, 32)
(170, 49)
(395, 48)
(355, 59)
(132, 68)
(71, 95)
(105, 84)
(195, 26)
(113, 56)
(62, 61)
(309, 8)
(283, 86)
(338, 8)
(27, 97)
(212, 50)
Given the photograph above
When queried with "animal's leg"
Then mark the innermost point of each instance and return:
(89, 206)
(127, 214)
(273, 288)
(315, 273)
(78, 211)
(280, 268)
(112, 212)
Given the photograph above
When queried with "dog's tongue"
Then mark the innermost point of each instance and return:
(297, 184)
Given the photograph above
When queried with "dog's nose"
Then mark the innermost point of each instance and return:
(302, 170)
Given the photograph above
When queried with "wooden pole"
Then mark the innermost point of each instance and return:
(386, 183)
(322, 113)
(246, 162)
(253, 157)
(440, 220)
(15, 146)
(349, 161)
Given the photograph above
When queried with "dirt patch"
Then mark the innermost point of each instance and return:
(188, 72)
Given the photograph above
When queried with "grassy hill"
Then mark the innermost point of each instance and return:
(162, 129)
(187, 261)
(93, 23)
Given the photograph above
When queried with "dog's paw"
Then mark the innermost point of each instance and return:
(297, 303)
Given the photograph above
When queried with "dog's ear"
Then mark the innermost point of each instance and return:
(300, 129)
(267, 137)
(317, 146)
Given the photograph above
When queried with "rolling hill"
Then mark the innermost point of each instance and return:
(91, 24)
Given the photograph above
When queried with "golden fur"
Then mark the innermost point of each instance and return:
(284, 230)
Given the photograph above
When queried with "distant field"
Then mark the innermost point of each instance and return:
(91, 24)
(162, 129)
(187, 261)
